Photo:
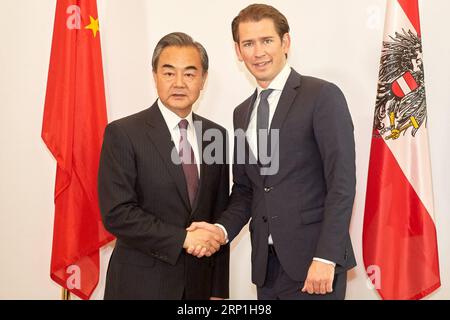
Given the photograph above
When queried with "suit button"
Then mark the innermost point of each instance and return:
(268, 189)
(264, 218)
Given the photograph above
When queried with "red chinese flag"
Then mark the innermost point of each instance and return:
(399, 235)
(72, 129)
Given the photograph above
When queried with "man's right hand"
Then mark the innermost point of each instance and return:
(201, 241)
(198, 251)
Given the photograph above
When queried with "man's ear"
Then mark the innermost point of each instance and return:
(238, 51)
(286, 43)
(204, 76)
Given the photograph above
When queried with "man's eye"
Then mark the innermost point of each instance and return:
(247, 44)
(168, 74)
(190, 75)
(268, 41)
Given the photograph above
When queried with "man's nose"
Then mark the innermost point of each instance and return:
(259, 50)
(179, 80)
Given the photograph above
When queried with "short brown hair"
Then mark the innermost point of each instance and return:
(256, 12)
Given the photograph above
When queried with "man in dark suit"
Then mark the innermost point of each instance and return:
(299, 194)
(153, 184)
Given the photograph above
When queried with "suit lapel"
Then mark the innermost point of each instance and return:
(287, 98)
(249, 111)
(199, 131)
(160, 136)
(284, 105)
(250, 157)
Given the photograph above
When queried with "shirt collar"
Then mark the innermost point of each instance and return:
(172, 119)
(279, 81)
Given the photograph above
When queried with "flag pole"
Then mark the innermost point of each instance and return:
(65, 294)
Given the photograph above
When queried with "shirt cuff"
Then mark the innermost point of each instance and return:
(224, 231)
(325, 261)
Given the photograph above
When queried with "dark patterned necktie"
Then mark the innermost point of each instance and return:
(262, 122)
(186, 154)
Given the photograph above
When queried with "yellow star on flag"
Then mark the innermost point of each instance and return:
(93, 26)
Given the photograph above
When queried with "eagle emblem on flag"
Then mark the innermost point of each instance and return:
(400, 103)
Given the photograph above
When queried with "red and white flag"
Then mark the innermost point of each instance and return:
(399, 236)
(72, 129)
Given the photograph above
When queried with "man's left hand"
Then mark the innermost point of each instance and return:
(320, 278)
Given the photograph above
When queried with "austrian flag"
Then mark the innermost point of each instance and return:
(399, 235)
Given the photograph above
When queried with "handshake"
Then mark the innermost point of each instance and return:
(203, 239)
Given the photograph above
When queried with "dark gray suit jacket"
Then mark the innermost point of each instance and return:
(144, 203)
(307, 205)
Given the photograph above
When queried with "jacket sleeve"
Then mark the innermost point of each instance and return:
(221, 269)
(121, 214)
(333, 131)
(238, 212)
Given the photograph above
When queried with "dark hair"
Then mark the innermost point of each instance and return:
(256, 12)
(179, 39)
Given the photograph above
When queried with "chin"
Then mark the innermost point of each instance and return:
(261, 74)
(179, 104)
(263, 78)
(180, 108)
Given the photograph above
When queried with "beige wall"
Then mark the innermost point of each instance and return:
(337, 40)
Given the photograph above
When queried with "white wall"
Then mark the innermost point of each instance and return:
(337, 40)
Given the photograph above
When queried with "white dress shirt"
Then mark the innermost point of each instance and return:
(172, 120)
(277, 86)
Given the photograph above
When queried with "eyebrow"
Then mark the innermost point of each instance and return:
(168, 66)
(261, 38)
(172, 67)
(191, 68)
